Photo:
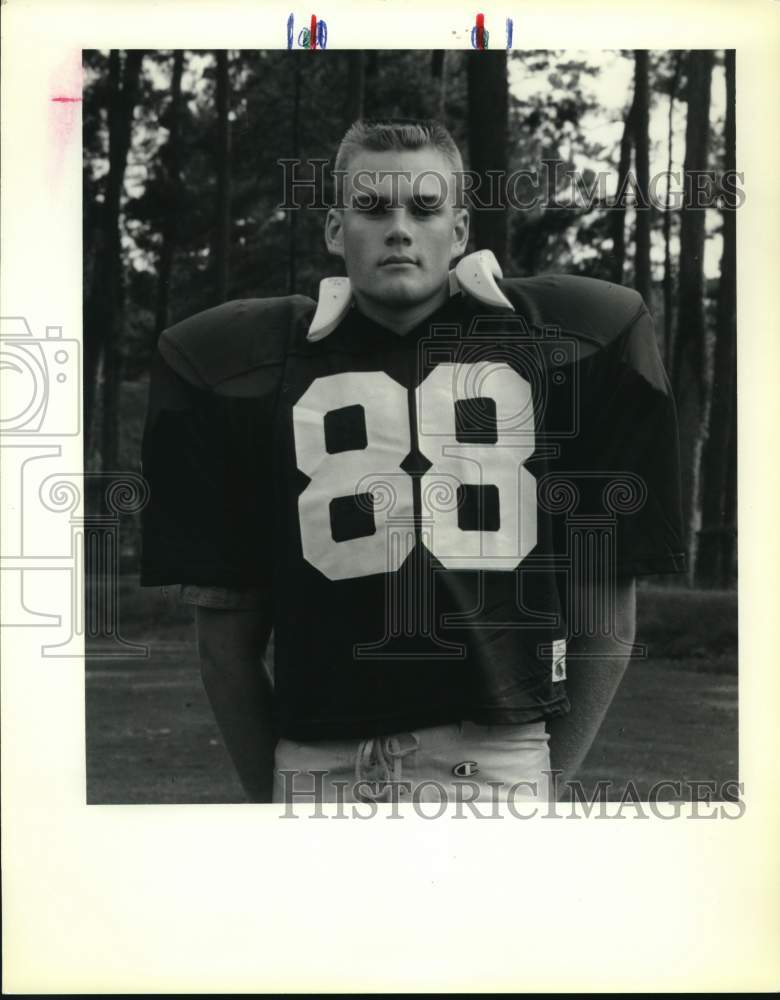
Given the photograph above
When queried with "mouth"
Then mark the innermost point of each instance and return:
(398, 260)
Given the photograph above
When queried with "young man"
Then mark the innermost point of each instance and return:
(434, 485)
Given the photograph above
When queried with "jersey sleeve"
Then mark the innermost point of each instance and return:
(197, 527)
(625, 455)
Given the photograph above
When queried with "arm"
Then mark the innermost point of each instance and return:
(595, 668)
(231, 644)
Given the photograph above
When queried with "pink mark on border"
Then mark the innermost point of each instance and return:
(64, 114)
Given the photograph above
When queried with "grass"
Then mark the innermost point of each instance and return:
(679, 623)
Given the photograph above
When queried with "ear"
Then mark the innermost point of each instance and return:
(460, 233)
(334, 232)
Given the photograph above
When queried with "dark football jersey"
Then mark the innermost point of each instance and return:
(416, 507)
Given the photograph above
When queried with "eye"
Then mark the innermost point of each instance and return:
(368, 205)
(425, 208)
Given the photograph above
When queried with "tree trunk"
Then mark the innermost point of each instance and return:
(488, 104)
(618, 214)
(713, 567)
(102, 314)
(222, 229)
(642, 280)
(689, 354)
(292, 252)
(668, 272)
(98, 306)
(94, 321)
(356, 85)
(169, 156)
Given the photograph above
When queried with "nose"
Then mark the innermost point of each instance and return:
(398, 232)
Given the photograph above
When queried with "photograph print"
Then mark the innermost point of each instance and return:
(410, 426)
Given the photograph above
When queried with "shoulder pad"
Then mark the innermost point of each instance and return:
(587, 307)
(224, 344)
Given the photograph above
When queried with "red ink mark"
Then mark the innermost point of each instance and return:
(64, 114)
(480, 31)
(313, 32)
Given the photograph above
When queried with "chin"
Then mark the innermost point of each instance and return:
(401, 293)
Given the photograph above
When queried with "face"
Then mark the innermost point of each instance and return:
(399, 230)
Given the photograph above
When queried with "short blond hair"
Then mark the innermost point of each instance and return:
(397, 133)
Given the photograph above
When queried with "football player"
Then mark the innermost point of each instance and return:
(435, 485)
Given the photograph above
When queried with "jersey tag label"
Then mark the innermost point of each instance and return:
(559, 660)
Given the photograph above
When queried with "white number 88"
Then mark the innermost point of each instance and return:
(456, 465)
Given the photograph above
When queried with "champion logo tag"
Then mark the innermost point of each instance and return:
(559, 660)
(466, 769)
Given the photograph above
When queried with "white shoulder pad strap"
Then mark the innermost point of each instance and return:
(333, 302)
(475, 275)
